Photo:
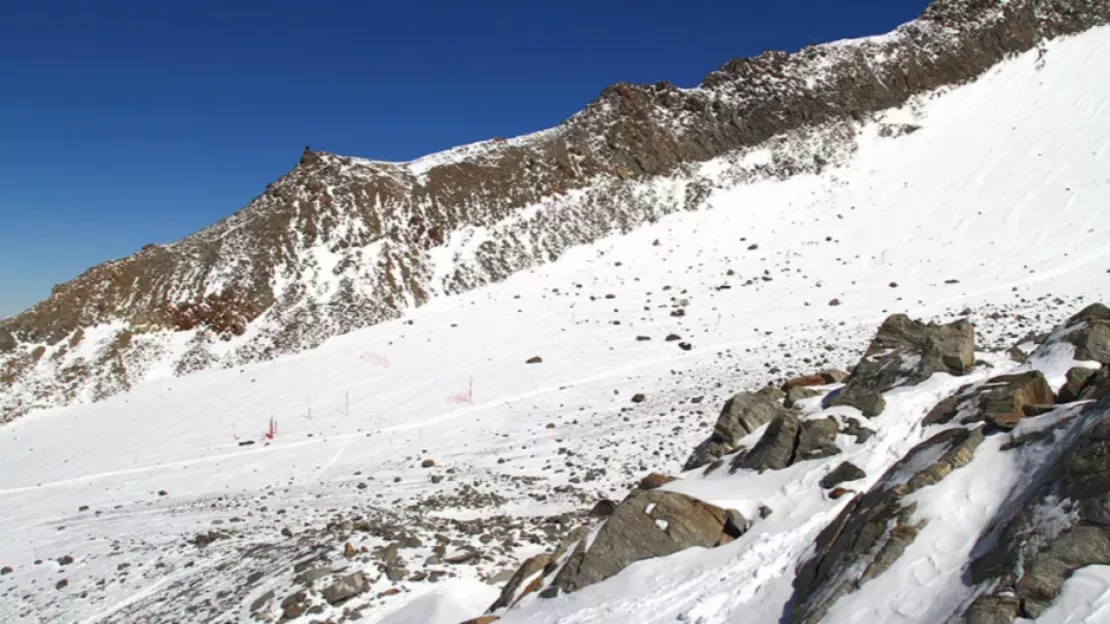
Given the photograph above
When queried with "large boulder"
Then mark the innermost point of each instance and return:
(906, 352)
(1001, 401)
(789, 440)
(775, 449)
(648, 524)
(1074, 382)
(1088, 332)
(742, 414)
(875, 528)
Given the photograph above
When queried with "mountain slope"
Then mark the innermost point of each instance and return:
(167, 503)
(342, 243)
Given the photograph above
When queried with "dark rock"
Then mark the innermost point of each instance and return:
(6, 570)
(838, 492)
(647, 524)
(1002, 400)
(534, 360)
(1088, 331)
(846, 471)
(672, 337)
(62, 584)
(428, 463)
(873, 530)
(1033, 558)
(816, 440)
(765, 511)
(1077, 378)
(685, 346)
(512, 593)
(775, 449)
(742, 414)
(65, 560)
(906, 352)
(638, 398)
(853, 428)
(603, 508)
(834, 302)
(262, 601)
(654, 480)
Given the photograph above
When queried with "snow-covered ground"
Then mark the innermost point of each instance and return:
(1000, 203)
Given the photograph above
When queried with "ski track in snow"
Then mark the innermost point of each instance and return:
(1004, 188)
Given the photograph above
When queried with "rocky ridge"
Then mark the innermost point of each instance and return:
(340, 243)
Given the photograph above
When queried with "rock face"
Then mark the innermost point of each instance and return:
(906, 352)
(1076, 380)
(1088, 332)
(647, 524)
(1001, 401)
(1060, 526)
(789, 440)
(382, 222)
(875, 528)
(742, 414)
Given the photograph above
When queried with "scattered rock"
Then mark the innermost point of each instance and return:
(65, 560)
(62, 584)
(428, 463)
(834, 302)
(1002, 401)
(638, 398)
(534, 360)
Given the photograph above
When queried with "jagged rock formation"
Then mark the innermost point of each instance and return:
(906, 352)
(340, 243)
(873, 530)
(742, 414)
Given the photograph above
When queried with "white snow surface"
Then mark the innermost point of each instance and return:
(1005, 188)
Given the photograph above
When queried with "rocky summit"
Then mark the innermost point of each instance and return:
(822, 339)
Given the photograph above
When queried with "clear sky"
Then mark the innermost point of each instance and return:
(129, 122)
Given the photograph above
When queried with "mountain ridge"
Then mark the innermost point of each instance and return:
(340, 243)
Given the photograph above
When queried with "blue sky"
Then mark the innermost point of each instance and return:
(129, 122)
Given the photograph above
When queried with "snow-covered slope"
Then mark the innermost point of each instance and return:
(994, 206)
(341, 243)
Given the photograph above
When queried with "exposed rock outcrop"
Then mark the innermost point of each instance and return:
(1001, 401)
(874, 528)
(742, 414)
(906, 352)
(648, 524)
(1058, 527)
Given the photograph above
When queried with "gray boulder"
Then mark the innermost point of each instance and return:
(648, 524)
(1088, 331)
(742, 414)
(789, 440)
(906, 352)
(775, 449)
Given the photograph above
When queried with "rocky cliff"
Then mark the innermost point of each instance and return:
(341, 243)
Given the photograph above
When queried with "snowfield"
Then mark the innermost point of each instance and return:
(997, 207)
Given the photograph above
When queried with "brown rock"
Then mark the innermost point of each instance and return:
(654, 480)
